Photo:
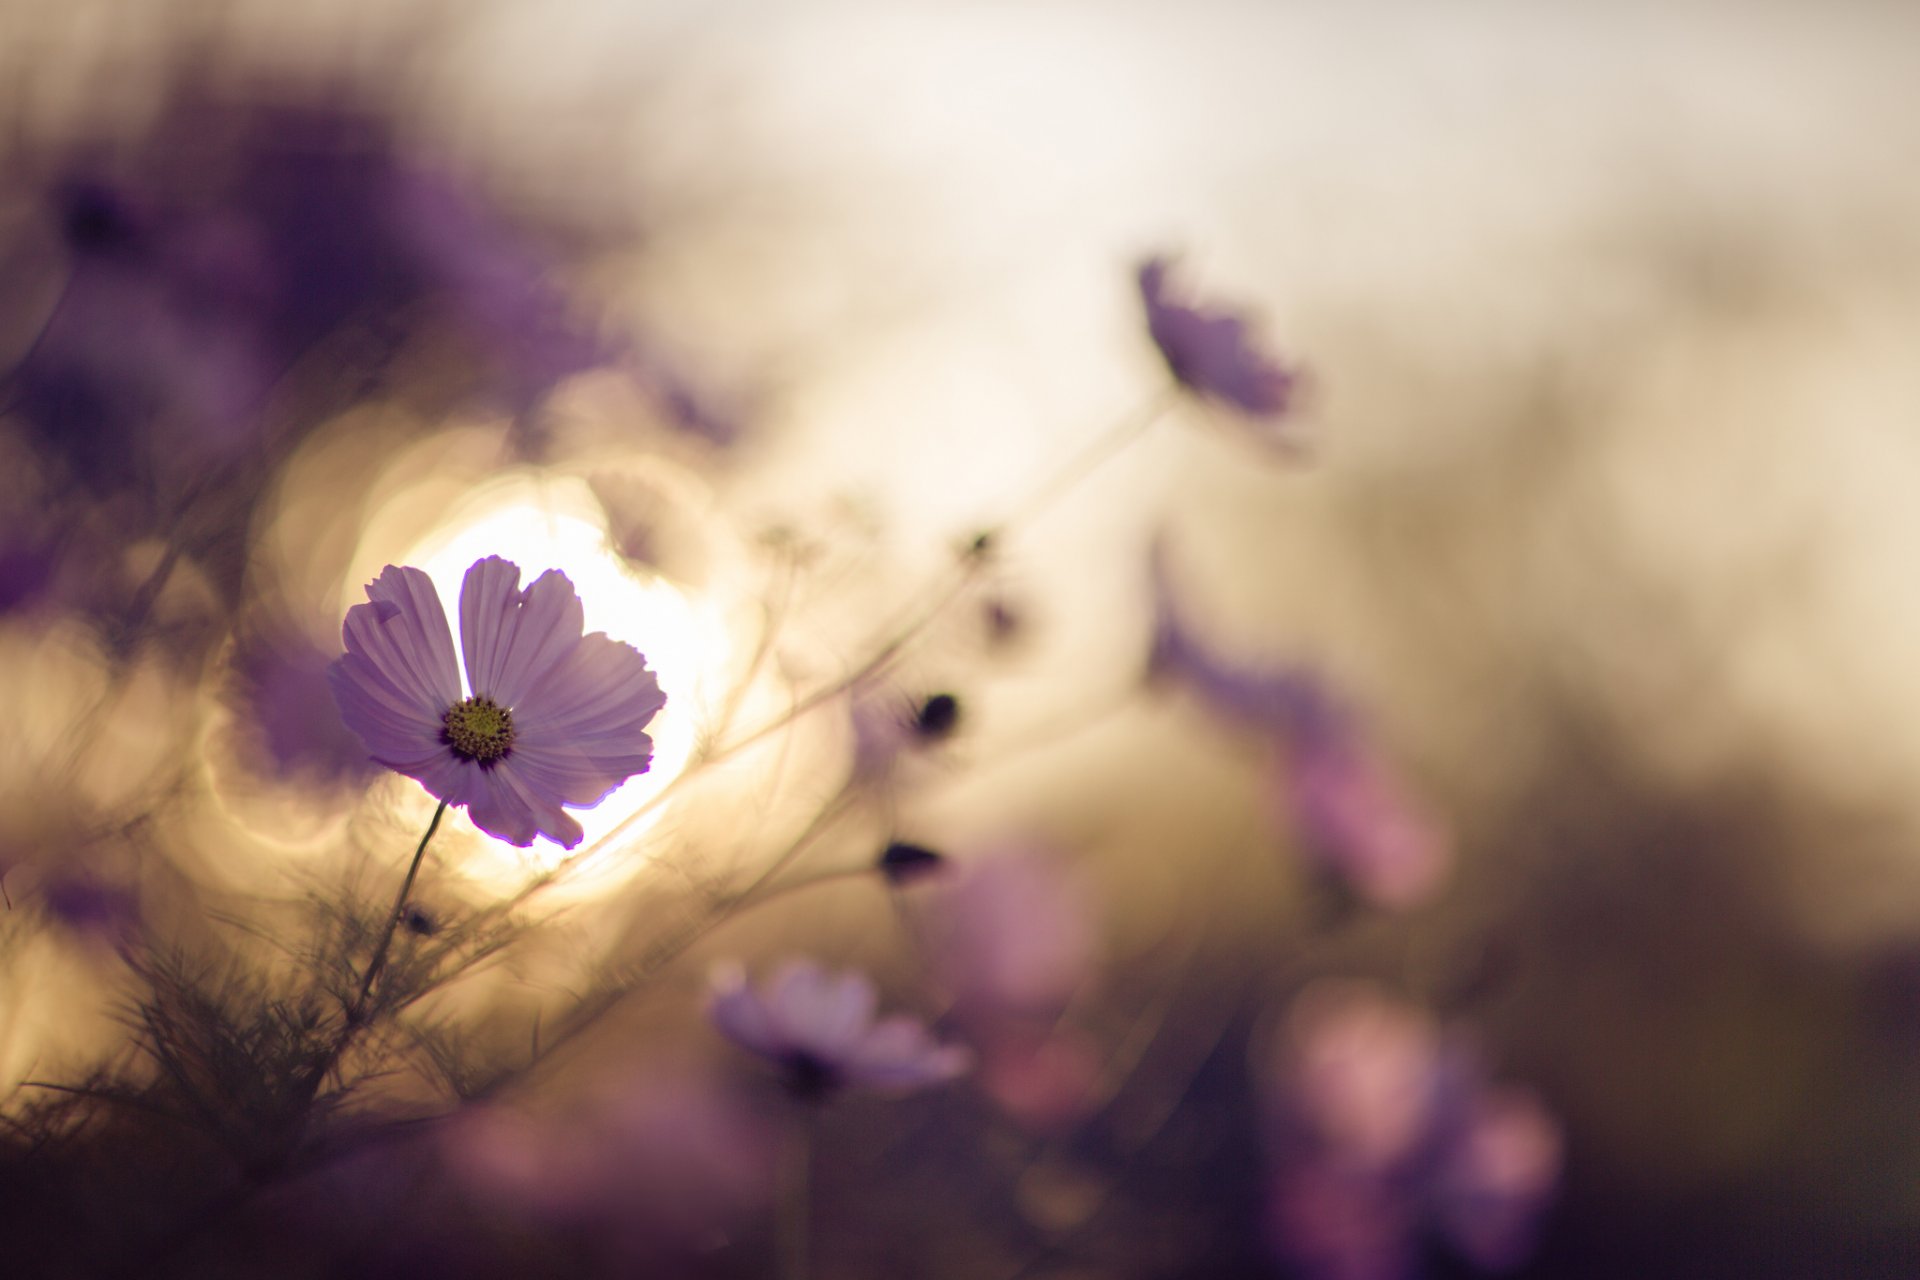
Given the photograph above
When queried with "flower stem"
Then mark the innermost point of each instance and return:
(1096, 451)
(358, 1011)
(795, 1199)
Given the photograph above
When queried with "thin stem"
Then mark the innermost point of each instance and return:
(795, 1197)
(379, 960)
(1096, 451)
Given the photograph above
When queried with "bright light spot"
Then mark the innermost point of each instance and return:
(542, 523)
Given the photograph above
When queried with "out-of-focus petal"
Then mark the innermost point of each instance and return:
(1215, 354)
(1498, 1178)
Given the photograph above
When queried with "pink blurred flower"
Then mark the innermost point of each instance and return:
(553, 718)
(819, 1029)
(1356, 819)
(1012, 938)
(1388, 1135)
(1011, 935)
(1045, 1080)
(1213, 354)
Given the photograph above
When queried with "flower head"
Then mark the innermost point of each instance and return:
(1354, 817)
(551, 717)
(819, 1029)
(1212, 354)
(1390, 1135)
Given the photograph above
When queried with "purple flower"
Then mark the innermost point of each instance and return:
(1352, 815)
(1390, 1136)
(1355, 819)
(1212, 354)
(551, 717)
(819, 1029)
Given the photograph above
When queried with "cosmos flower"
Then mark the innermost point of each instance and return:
(1355, 819)
(1213, 355)
(1389, 1137)
(1353, 816)
(819, 1029)
(551, 717)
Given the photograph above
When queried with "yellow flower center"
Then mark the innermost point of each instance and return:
(479, 729)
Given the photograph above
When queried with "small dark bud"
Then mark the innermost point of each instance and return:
(419, 922)
(937, 717)
(982, 545)
(903, 863)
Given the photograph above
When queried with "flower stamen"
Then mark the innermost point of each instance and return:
(479, 729)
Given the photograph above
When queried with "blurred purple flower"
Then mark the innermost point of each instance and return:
(209, 260)
(553, 718)
(1012, 936)
(106, 913)
(1389, 1137)
(819, 1029)
(278, 686)
(1354, 818)
(28, 563)
(662, 1158)
(1214, 355)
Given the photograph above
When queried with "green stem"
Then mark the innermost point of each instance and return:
(359, 1009)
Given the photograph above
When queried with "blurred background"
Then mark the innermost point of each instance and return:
(752, 317)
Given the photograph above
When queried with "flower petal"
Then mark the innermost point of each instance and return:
(598, 696)
(739, 1014)
(502, 805)
(398, 677)
(511, 638)
(899, 1053)
(401, 634)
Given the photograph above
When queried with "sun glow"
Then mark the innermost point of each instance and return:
(543, 522)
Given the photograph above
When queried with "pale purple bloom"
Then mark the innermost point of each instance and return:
(549, 717)
(1353, 816)
(819, 1029)
(1214, 354)
(1388, 1136)
(1012, 936)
